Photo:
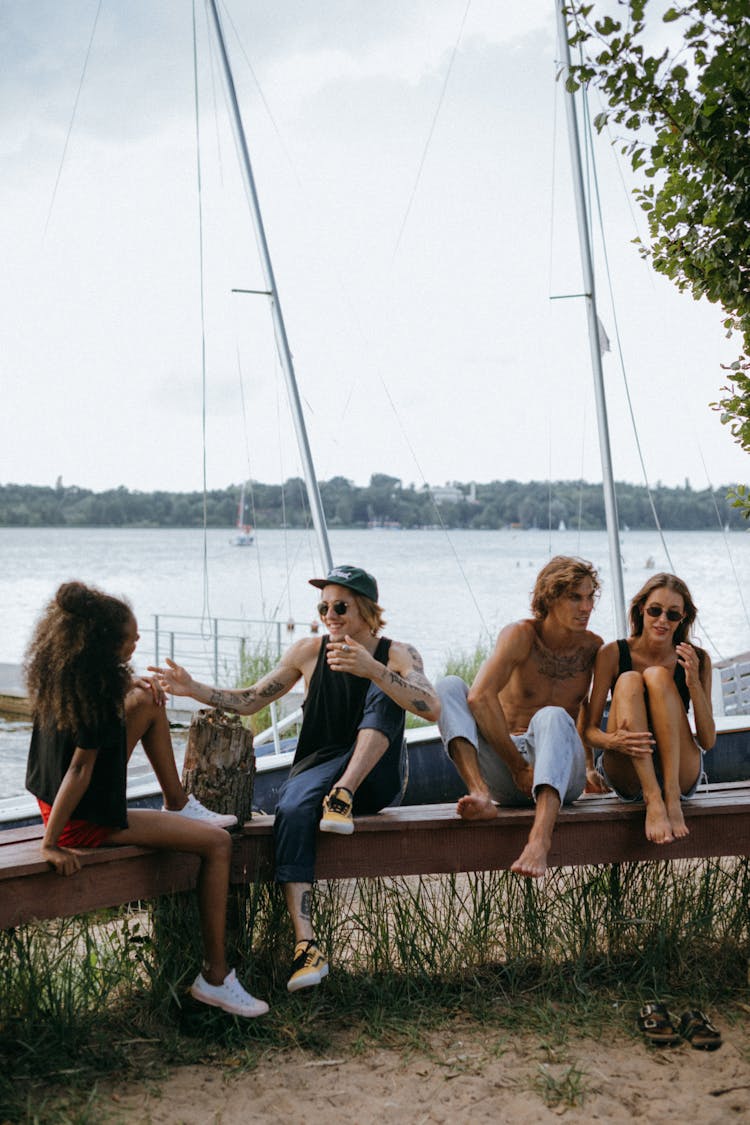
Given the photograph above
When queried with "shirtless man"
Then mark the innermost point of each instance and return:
(512, 735)
(349, 754)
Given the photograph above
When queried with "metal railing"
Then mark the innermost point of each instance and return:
(220, 650)
(217, 648)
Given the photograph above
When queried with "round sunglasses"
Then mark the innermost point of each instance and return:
(670, 614)
(339, 608)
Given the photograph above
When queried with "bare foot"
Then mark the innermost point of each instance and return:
(658, 826)
(532, 862)
(476, 806)
(677, 820)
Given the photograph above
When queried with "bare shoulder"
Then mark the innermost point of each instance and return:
(305, 647)
(607, 659)
(302, 653)
(596, 641)
(401, 653)
(517, 637)
(607, 653)
(513, 647)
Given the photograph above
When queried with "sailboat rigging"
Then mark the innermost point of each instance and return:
(282, 343)
(610, 499)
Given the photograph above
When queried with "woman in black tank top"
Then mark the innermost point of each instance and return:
(652, 678)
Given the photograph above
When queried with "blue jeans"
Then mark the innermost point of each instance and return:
(551, 745)
(301, 797)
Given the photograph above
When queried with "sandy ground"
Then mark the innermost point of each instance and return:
(465, 1074)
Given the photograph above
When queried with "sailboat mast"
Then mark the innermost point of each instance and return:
(610, 499)
(282, 344)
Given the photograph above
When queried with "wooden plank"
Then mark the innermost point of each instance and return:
(417, 840)
(433, 839)
(15, 835)
(104, 880)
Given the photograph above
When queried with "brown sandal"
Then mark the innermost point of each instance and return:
(656, 1023)
(699, 1031)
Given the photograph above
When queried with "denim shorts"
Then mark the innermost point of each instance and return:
(701, 779)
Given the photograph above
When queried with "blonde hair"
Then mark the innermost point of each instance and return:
(371, 613)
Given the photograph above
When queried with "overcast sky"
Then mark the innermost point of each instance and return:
(417, 305)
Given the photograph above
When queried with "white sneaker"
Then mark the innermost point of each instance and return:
(194, 810)
(230, 996)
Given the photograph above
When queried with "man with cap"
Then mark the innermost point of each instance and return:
(350, 753)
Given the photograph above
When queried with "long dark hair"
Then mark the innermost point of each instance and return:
(74, 669)
(659, 582)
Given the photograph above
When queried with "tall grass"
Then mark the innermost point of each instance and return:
(466, 662)
(84, 997)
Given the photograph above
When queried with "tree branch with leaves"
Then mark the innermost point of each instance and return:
(683, 120)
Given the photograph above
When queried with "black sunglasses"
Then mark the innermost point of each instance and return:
(339, 608)
(670, 614)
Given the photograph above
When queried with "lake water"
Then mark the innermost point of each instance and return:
(441, 591)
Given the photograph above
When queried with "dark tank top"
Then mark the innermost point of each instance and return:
(626, 665)
(332, 710)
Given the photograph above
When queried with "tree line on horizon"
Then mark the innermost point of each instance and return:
(385, 501)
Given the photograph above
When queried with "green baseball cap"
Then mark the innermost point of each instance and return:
(352, 577)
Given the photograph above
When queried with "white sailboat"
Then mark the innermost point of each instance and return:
(245, 536)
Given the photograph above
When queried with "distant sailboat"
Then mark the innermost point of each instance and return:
(245, 536)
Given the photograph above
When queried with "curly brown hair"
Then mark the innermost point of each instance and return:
(74, 670)
(677, 586)
(559, 577)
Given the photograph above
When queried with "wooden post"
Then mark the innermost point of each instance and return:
(219, 763)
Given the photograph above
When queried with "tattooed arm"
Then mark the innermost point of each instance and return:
(245, 701)
(402, 678)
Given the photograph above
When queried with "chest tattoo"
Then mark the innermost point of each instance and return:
(563, 665)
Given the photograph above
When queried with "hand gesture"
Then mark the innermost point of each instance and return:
(688, 658)
(173, 679)
(350, 656)
(63, 861)
(152, 685)
(634, 743)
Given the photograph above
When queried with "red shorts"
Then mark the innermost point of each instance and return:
(78, 833)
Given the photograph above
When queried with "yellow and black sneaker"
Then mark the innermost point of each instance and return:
(309, 966)
(337, 812)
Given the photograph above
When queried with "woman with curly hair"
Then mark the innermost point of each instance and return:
(648, 749)
(89, 714)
